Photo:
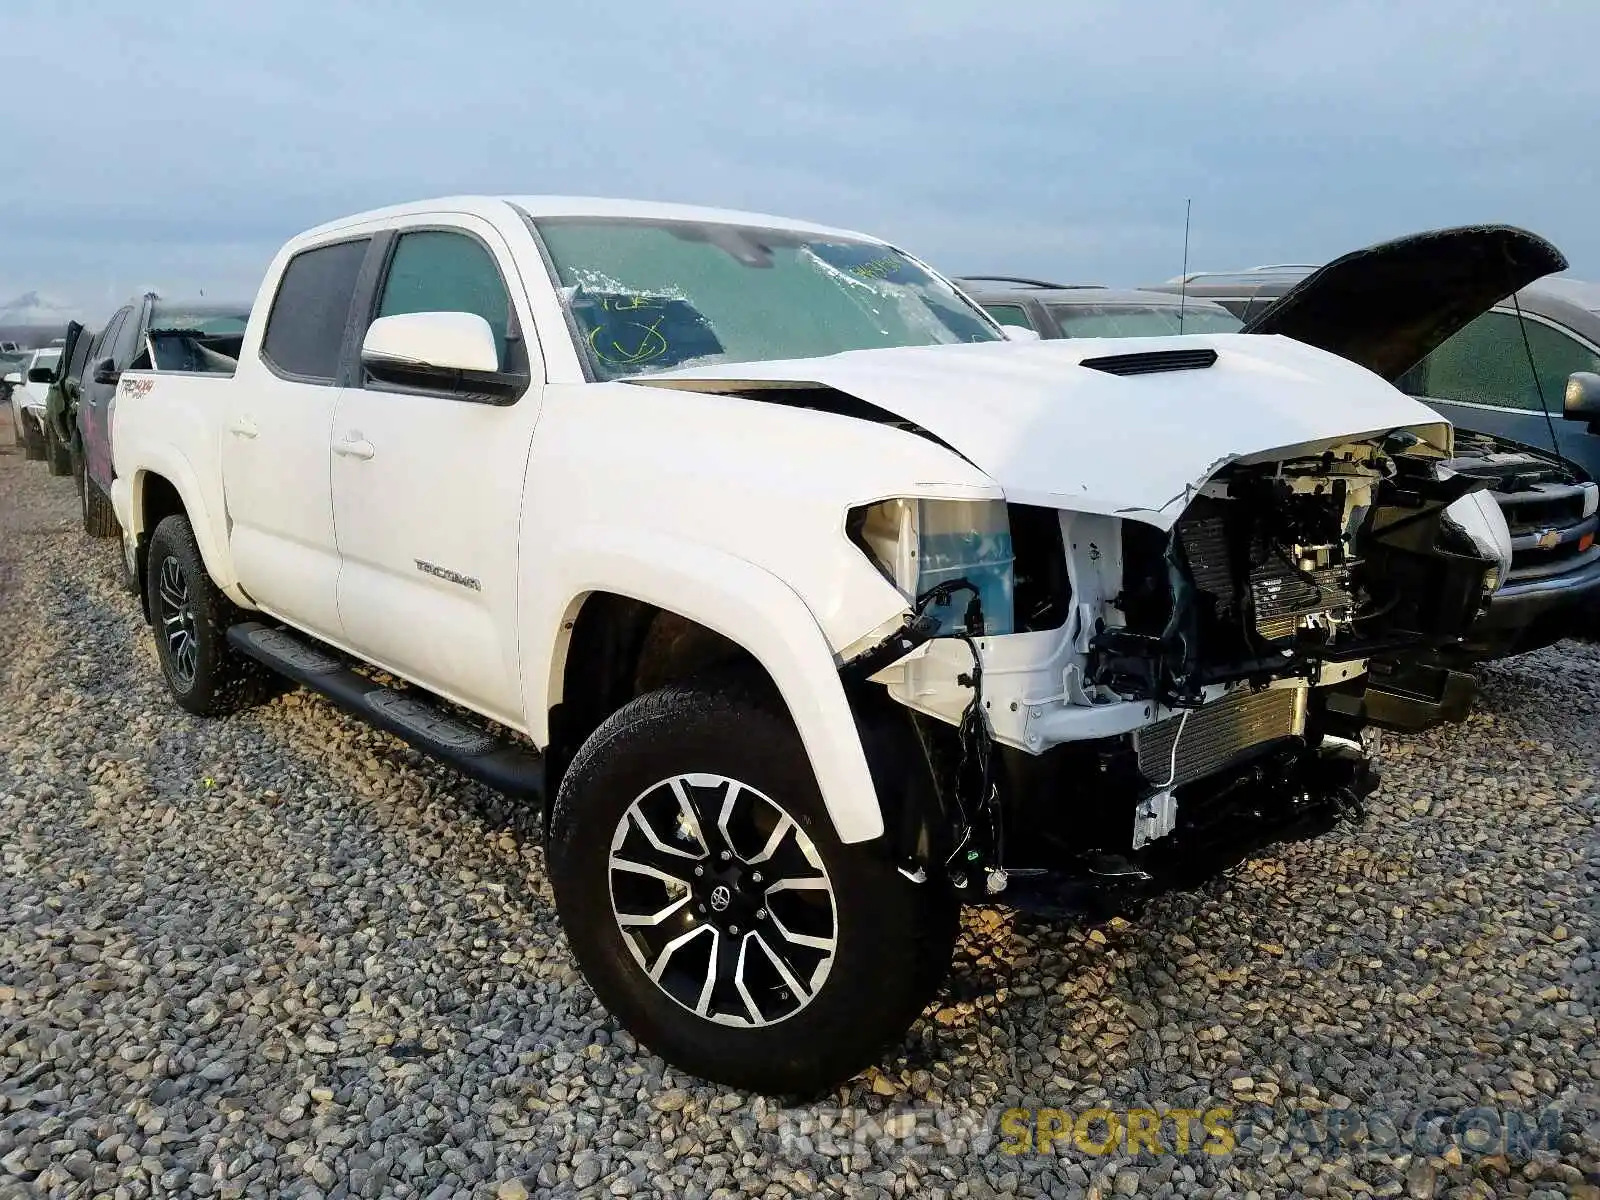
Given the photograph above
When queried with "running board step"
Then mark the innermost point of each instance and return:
(474, 752)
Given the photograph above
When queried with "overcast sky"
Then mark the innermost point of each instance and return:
(175, 145)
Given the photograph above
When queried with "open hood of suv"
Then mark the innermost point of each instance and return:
(1387, 307)
(1052, 428)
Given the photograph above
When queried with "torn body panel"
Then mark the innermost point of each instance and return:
(1210, 663)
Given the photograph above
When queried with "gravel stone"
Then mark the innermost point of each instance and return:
(282, 954)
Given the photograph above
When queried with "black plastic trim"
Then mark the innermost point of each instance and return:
(408, 715)
(1151, 362)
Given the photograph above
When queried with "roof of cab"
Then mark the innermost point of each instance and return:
(580, 206)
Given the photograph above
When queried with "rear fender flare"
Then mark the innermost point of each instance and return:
(210, 529)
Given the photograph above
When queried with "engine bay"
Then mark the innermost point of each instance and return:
(1276, 569)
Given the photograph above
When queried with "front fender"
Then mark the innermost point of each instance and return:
(737, 599)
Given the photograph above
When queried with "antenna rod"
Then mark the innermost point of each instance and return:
(1183, 286)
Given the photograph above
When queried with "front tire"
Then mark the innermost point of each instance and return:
(715, 912)
(190, 616)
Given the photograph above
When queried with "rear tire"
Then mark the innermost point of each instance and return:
(99, 517)
(32, 438)
(190, 617)
(873, 946)
(56, 454)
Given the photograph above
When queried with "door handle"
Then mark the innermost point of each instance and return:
(243, 427)
(354, 446)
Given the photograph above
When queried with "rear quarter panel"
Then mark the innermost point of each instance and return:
(171, 426)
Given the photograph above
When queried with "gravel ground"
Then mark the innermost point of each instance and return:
(283, 955)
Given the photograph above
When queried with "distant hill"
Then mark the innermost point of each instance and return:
(32, 319)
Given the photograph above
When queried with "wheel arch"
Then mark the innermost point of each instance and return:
(621, 586)
(171, 488)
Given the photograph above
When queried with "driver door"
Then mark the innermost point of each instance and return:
(428, 482)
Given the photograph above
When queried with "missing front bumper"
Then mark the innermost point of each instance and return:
(1070, 828)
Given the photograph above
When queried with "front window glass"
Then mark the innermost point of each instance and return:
(655, 295)
(1487, 363)
(1139, 320)
(438, 271)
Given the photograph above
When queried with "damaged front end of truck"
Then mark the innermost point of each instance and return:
(1141, 707)
(1149, 659)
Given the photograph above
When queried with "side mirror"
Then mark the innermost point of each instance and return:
(106, 373)
(14, 378)
(1020, 333)
(1583, 397)
(41, 375)
(440, 352)
(432, 342)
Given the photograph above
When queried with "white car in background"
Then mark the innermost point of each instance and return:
(28, 399)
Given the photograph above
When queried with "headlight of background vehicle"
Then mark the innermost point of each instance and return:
(918, 544)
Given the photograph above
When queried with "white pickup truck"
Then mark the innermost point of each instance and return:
(811, 603)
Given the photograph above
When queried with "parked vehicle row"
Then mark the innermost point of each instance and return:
(809, 601)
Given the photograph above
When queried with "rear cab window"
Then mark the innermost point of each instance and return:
(305, 327)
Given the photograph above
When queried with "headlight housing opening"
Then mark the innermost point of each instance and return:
(919, 544)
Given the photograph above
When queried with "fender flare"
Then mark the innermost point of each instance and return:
(210, 532)
(736, 598)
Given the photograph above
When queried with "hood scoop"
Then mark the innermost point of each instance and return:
(1152, 362)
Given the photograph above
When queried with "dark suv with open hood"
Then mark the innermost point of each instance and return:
(1517, 378)
(1549, 503)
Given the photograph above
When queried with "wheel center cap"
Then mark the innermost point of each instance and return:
(721, 897)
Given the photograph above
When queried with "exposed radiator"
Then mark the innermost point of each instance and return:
(1281, 594)
(1219, 731)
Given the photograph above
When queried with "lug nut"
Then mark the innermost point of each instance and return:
(700, 907)
(726, 855)
(734, 929)
(761, 914)
(755, 877)
(699, 870)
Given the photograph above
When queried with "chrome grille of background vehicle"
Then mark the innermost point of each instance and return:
(1218, 732)
(1543, 506)
(1549, 533)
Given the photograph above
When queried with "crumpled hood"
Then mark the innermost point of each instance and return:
(1052, 432)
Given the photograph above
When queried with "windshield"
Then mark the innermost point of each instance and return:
(1139, 320)
(650, 296)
